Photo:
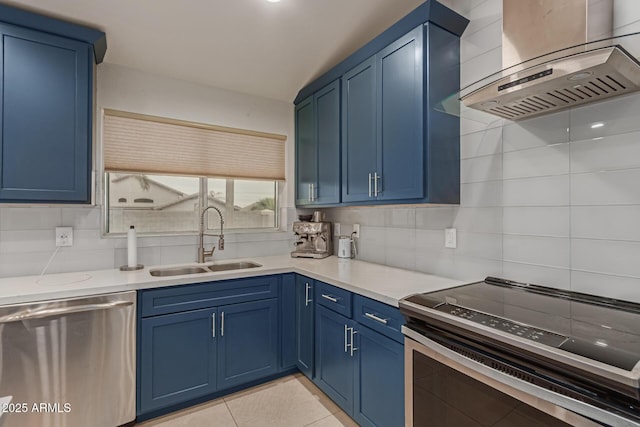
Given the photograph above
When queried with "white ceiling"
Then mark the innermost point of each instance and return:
(250, 46)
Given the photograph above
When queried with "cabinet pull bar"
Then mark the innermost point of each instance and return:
(306, 295)
(222, 324)
(376, 318)
(309, 192)
(345, 338)
(213, 325)
(353, 347)
(369, 185)
(375, 184)
(330, 298)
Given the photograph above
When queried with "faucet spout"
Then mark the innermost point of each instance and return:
(202, 253)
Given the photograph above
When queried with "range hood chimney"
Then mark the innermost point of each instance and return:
(541, 74)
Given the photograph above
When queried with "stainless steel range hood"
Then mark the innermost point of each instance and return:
(576, 72)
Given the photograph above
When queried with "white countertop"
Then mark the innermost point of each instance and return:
(379, 282)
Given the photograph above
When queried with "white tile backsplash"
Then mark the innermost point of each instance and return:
(606, 188)
(543, 161)
(606, 256)
(537, 221)
(483, 143)
(544, 191)
(606, 222)
(606, 153)
(479, 169)
(544, 251)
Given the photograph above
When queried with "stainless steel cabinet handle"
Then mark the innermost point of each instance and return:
(310, 193)
(346, 346)
(213, 325)
(330, 298)
(306, 294)
(376, 318)
(60, 311)
(375, 183)
(353, 347)
(369, 185)
(222, 324)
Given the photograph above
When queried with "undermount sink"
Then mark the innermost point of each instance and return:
(181, 271)
(177, 271)
(233, 266)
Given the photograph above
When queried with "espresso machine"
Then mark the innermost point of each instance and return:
(313, 239)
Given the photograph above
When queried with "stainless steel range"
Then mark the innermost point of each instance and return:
(504, 353)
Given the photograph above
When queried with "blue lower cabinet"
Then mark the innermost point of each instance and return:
(248, 342)
(304, 325)
(177, 358)
(379, 380)
(334, 360)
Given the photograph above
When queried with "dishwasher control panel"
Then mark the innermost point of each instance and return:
(514, 328)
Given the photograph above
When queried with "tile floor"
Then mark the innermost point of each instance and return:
(291, 401)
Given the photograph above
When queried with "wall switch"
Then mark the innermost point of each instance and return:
(356, 231)
(64, 236)
(336, 229)
(450, 240)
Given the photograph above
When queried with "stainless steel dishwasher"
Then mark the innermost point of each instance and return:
(68, 363)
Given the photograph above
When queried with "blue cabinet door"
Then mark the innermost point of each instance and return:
(327, 110)
(359, 131)
(177, 358)
(400, 136)
(306, 152)
(304, 325)
(334, 362)
(45, 117)
(247, 342)
(379, 380)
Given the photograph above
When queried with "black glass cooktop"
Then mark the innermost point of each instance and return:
(598, 328)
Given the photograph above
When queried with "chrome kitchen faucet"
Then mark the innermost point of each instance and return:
(202, 254)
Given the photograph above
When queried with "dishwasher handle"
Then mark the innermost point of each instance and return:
(60, 311)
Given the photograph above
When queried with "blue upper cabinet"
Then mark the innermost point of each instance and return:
(318, 147)
(46, 87)
(359, 150)
(397, 147)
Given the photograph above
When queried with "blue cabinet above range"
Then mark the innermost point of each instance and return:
(46, 93)
(395, 146)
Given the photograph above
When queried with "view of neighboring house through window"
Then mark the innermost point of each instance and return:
(170, 204)
(161, 173)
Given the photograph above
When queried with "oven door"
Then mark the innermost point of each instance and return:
(444, 388)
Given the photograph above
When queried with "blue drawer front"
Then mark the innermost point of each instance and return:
(336, 299)
(211, 294)
(378, 316)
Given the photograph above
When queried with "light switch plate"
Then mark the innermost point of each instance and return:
(336, 229)
(450, 240)
(64, 236)
(356, 231)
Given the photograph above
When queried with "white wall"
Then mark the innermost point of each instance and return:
(27, 233)
(547, 200)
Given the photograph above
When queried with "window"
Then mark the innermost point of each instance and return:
(171, 185)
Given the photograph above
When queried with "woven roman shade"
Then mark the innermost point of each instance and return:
(148, 144)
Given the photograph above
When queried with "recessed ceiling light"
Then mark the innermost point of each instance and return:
(273, 1)
(597, 125)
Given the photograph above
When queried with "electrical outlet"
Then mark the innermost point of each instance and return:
(450, 240)
(336, 229)
(356, 231)
(64, 236)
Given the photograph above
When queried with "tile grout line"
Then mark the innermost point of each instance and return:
(224, 399)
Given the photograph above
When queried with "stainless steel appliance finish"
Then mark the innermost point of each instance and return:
(572, 350)
(69, 363)
(313, 239)
(552, 61)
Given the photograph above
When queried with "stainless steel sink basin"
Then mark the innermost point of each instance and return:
(223, 266)
(177, 271)
(233, 266)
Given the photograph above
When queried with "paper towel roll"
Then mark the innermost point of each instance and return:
(132, 247)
